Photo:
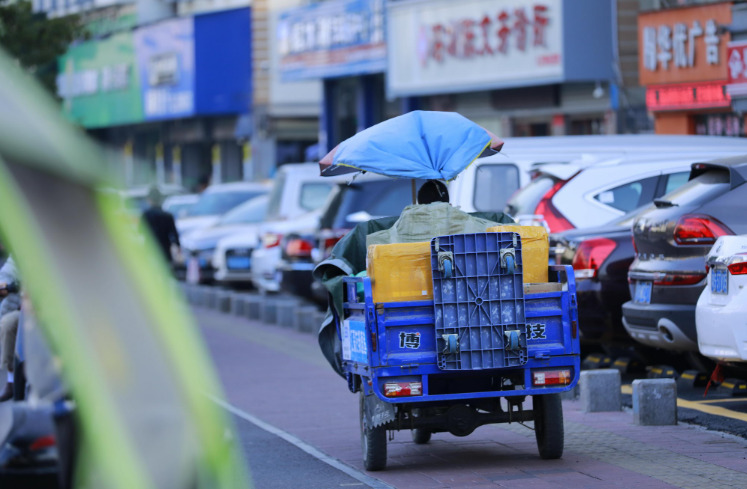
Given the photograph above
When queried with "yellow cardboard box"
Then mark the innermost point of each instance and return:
(535, 250)
(400, 272)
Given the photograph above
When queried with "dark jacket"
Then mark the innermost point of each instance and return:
(163, 227)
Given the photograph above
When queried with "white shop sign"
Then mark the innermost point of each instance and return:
(446, 46)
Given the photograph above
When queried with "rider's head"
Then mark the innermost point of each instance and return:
(433, 191)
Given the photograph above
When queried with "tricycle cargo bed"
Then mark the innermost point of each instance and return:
(522, 343)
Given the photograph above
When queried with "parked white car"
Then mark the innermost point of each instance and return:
(215, 201)
(179, 205)
(593, 191)
(489, 182)
(200, 244)
(297, 191)
(721, 312)
(266, 259)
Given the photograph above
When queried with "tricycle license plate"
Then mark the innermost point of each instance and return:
(719, 281)
(354, 346)
(642, 292)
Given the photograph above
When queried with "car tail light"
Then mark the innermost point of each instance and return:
(330, 243)
(738, 268)
(678, 278)
(43, 442)
(403, 389)
(554, 219)
(270, 240)
(738, 264)
(299, 248)
(694, 229)
(590, 255)
(551, 377)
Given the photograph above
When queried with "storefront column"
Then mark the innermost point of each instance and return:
(217, 176)
(408, 104)
(673, 123)
(558, 125)
(160, 165)
(247, 163)
(327, 117)
(129, 163)
(176, 165)
(365, 100)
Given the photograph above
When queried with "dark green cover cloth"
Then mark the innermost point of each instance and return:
(348, 257)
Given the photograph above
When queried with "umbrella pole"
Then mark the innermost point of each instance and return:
(414, 193)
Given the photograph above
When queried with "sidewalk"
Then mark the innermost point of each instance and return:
(601, 450)
(301, 395)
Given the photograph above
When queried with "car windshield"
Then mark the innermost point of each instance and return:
(525, 201)
(378, 198)
(246, 213)
(179, 209)
(218, 203)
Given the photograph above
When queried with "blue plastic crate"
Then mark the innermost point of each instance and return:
(478, 301)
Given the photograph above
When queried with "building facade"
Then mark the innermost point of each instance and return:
(684, 65)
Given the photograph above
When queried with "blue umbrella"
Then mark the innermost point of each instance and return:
(419, 144)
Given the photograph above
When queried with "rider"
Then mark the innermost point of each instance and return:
(432, 216)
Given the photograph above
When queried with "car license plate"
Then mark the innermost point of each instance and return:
(238, 262)
(642, 292)
(719, 281)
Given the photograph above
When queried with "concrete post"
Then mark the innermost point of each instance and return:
(655, 402)
(600, 390)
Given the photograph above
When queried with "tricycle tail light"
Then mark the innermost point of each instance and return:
(551, 377)
(403, 389)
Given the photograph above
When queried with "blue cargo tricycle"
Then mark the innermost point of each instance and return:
(444, 365)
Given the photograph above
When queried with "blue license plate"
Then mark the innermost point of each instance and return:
(235, 262)
(719, 281)
(642, 292)
(354, 346)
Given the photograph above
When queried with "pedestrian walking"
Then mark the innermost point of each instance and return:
(161, 224)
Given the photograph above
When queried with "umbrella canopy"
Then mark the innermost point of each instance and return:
(419, 144)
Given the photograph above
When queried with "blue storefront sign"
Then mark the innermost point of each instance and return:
(195, 66)
(331, 39)
(166, 58)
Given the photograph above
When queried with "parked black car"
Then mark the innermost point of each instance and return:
(672, 239)
(600, 257)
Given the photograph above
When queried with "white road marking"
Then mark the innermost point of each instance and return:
(355, 474)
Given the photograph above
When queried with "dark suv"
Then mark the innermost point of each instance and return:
(368, 197)
(671, 240)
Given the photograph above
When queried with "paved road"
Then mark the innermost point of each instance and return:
(278, 378)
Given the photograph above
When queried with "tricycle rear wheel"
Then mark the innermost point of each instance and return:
(373, 441)
(421, 436)
(548, 425)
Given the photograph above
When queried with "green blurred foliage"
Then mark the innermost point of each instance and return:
(35, 41)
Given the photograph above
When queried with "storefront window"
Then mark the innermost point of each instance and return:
(719, 125)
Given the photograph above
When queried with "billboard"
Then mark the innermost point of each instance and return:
(99, 82)
(447, 46)
(330, 39)
(683, 44)
(166, 61)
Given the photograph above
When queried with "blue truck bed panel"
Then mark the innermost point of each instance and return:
(401, 340)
